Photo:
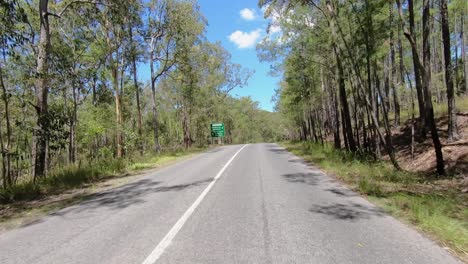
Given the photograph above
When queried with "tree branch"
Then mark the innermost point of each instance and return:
(59, 14)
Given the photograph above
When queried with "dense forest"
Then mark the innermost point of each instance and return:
(71, 93)
(87, 82)
(355, 72)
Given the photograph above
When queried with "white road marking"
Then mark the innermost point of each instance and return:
(166, 241)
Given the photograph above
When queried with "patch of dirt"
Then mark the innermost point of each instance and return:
(455, 152)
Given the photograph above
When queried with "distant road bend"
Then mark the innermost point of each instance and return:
(252, 203)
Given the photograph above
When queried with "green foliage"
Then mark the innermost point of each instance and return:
(94, 100)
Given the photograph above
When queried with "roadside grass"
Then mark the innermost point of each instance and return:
(88, 173)
(439, 212)
(27, 202)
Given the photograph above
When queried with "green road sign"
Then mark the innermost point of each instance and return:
(217, 130)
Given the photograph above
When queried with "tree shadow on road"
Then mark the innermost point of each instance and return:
(307, 178)
(304, 162)
(342, 192)
(277, 150)
(125, 196)
(347, 212)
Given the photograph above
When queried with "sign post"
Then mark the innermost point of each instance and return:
(217, 130)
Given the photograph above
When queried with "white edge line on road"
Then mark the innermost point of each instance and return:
(166, 241)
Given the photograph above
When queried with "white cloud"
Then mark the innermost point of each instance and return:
(245, 39)
(247, 14)
(273, 18)
(272, 29)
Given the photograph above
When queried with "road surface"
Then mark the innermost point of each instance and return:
(235, 204)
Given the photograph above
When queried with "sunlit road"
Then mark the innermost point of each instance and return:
(234, 204)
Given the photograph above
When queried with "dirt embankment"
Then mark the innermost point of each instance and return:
(424, 161)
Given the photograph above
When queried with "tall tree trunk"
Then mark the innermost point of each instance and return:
(186, 127)
(452, 111)
(393, 76)
(118, 109)
(319, 127)
(345, 108)
(436, 63)
(401, 58)
(417, 71)
(343, 129)
(427, 87)
(113, 42)
(388, 140)
(346, 118)
(356, 120)
(464, 54)
(157, 146)
(369, 34)
(412, 115)
(5, 149)
(4, 164)
(386, 84)
(73, 120)
(336, 132)
(40, 134)
(417, 65)
(137, 95)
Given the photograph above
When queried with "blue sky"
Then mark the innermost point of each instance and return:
(239, 26)
(239, 32)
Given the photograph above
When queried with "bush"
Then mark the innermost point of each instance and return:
(22, 191)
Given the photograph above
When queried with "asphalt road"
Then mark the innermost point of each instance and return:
(263, 205)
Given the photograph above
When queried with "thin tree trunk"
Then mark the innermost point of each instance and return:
(452, 111)
(412, 115)
(464, 54)
(113, 46)
(343, 129)
(427, 88)
(436, 66)
(345, 109)
(186, 127)
(157, 146)
(314, 125)
(400, 55)
(336, 132)
(118, 110)
(3, 155)
(72, 136)
(388, 141)
(6, 149)
(417, 65)
(137, 93)
(355, 117)
(393, 76)
(40, 137)
(347, 128)
(386, 84)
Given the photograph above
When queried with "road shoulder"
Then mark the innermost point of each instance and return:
(404, 212)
